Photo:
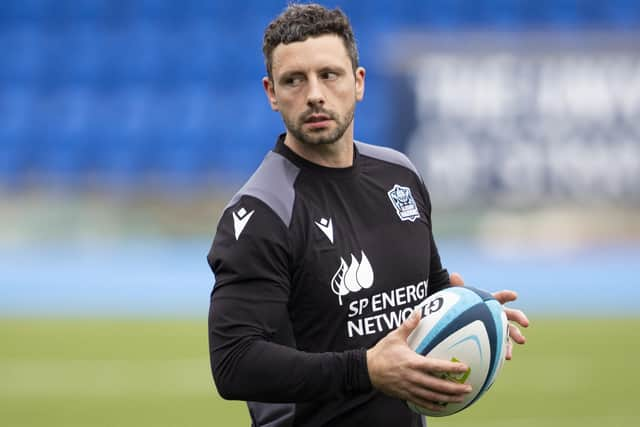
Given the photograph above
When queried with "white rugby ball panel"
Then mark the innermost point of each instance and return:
(470, 345)
(502, 331)
(467, 324)
(479, 312)
(453, 301)
(432, 311)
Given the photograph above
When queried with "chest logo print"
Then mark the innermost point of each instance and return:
(240, 220)
(352, 277)
(404, 203)
(326, 227)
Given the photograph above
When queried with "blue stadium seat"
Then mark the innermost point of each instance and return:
(11, 163)
(119, 156)
(610, 14)
(20, 12)
(94, 12)
(22, 61)
(134, 55)
(127, 88)
(16, 148)
(568, 14)
(179, 153)
(504, 15)
(84, 66)
(151, 11)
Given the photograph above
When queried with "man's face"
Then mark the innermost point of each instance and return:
(314, 89)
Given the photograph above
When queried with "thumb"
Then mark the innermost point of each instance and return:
(456, 279)
(405, 329)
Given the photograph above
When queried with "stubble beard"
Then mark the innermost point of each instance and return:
(320, 136)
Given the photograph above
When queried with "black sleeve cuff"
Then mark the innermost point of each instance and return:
(357, 373)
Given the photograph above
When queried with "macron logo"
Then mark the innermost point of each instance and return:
(240, 220)
(326, 227)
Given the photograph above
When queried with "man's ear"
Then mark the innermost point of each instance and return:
(360, 74)
(270, 91)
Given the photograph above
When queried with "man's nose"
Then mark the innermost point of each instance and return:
(315, 95)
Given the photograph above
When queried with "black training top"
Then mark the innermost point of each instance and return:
(313, 265)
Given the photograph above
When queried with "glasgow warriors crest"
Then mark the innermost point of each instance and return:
(402, 200)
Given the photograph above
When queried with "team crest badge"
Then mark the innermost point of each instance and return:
(404, 203)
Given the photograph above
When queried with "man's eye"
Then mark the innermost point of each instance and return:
(293, 81)
(329, 75)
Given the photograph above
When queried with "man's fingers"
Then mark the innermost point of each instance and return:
(443, 386)
(439, 366)
(428, 388)
(429, 373)
(517, 316)
(455, 279)
(427, 395)
(505, 296)
(516, 335)
(405, 329)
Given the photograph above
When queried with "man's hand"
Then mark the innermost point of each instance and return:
(512, 314)
(397, 370)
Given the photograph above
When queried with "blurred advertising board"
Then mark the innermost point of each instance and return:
(521, 119)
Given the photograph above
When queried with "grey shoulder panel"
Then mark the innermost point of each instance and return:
(386, 154)
(271, 414)
(272, 183)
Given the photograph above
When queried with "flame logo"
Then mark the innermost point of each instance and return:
(352, 277)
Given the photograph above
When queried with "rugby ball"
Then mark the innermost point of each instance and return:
(467, 325)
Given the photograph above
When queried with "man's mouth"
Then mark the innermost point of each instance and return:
(317, 118)
(317, 121)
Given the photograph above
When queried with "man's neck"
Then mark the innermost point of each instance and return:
(336, 155)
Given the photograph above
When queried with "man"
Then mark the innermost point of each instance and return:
(322, 255)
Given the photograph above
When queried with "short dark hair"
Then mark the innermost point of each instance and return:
(298, 22)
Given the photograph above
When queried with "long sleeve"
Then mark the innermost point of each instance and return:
(251, 342)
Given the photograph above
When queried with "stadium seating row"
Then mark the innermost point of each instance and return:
(133, 87)
(444, 12)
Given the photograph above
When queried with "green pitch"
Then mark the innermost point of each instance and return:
(81, 372)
